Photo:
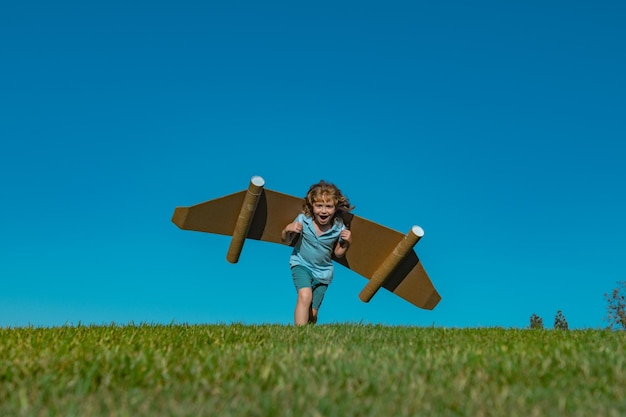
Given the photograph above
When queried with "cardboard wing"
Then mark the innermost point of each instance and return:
(380, 254)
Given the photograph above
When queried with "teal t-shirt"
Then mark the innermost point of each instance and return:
(315, 252)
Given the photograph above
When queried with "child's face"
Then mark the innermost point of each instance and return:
(323, 210)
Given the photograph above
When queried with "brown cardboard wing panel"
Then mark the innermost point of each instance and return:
(411, 282)
(214, 216)
(371, 244)
(273, 212)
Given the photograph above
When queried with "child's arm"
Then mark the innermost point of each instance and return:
(290, 231)
(345, 239)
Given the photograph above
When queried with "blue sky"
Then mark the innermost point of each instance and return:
(498, 127)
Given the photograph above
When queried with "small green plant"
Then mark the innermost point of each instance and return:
(616, 308)
(536, 322)
(560, 322)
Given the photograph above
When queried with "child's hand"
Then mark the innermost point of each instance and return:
(290, 231)
(345, 240)
(346, 236)
(295, 227)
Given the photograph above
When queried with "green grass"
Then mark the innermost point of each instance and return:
(329, 370)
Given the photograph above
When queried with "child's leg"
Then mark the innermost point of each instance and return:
(318, 290)
(313, 315)
(303, 307)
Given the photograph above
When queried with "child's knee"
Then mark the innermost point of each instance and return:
(305, 295)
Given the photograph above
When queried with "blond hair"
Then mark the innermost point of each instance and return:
(325, 190)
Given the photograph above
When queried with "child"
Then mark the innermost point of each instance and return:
(321, 233)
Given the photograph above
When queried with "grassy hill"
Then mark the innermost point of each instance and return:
(328, 370)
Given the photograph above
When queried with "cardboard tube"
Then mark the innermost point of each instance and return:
(244, 220)
(396, 256)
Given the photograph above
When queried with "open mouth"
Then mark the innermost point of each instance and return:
(323, 217)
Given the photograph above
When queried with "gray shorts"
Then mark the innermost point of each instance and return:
(303, 278)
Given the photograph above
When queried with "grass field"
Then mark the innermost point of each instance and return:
(329, 370)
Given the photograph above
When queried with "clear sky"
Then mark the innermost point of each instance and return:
(498, 127)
